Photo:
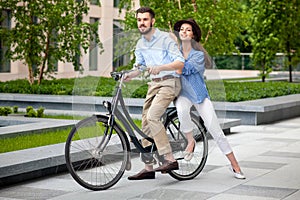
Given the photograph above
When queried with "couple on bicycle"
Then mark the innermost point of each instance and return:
(176, 71)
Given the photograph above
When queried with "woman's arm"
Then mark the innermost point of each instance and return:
(194, 64)
(176, 65)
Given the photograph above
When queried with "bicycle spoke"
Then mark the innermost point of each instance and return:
(92, 165)
(187, 169)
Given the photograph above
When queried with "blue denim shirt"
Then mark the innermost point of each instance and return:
(160, 50)
(193, 86)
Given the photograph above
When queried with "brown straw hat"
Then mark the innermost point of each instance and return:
(196, 28)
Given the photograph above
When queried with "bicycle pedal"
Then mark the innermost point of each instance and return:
(147, 158)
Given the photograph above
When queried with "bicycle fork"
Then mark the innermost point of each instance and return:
(109, 131)
(106, 136)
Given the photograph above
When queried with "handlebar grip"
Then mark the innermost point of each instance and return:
(141, 68)
(116, 75)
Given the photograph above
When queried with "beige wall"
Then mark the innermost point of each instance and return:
(106, 14)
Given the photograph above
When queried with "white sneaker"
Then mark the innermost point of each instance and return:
(238, 175)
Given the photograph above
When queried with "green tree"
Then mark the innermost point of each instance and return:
(46, 32)
(275, 28)
(264, 33)
(221, 22)
(289, 32)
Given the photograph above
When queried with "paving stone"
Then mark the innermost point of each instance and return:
(281, 154)
(270, 161)
(28, 193)
(261, 165)
(167, 194)
(261, 191)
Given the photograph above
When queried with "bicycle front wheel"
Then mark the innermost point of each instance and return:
(95, 159)
(187, 169)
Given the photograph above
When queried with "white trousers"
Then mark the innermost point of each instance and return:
(208, 114)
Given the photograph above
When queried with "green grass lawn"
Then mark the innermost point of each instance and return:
(40, 139)
(33, 140)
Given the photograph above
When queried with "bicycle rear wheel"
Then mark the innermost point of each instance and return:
(96, 160)
(187, 169)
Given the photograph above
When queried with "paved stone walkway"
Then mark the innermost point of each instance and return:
(269, 156)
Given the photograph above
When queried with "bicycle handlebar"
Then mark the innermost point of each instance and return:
(118, 75)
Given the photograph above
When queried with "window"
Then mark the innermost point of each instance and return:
(94, 2)
(6, 24)
(119, 58)
(34, 64)
(93, 51)
(77, 63)
(116, 3)
(52, 61)
(77, 60)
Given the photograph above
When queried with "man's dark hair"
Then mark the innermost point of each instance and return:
(145, 10)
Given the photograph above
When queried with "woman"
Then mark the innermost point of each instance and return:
(194, 92)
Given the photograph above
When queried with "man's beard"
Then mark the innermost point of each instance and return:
(146, 31)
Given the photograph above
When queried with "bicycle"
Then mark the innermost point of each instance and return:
(98, 150)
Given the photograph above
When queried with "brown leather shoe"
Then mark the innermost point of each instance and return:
(144, 174)
(167, 166)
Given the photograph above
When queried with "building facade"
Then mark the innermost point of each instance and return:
(93, 63)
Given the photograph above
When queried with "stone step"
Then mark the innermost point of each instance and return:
(32, 163)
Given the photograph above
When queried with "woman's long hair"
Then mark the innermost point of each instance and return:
(199, 47)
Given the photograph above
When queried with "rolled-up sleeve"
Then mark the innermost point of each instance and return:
(174, 52)
(194, 64)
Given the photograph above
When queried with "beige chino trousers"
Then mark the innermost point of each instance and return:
(159, 96)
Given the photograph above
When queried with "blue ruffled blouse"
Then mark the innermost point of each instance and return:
(192, 78)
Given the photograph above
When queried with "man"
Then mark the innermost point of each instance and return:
(160, 53)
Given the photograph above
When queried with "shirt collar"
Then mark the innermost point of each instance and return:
(190, 54)
(154, 36)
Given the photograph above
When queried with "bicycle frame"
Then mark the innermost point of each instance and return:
(124, 118)
(101, 152)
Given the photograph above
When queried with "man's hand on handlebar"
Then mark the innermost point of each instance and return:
(131, 75)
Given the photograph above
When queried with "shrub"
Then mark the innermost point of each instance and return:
(244, 91)
(40, 112)
(35, 113)
(28, 109)
(15, 109)
(103, 86)
(4, 111)
(31, 113)
(140, 92)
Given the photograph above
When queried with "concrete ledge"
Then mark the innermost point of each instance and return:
(262, 111)
(64, 102)
(250, 112)
(226, 124)
(31, 163)
(23, 125)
